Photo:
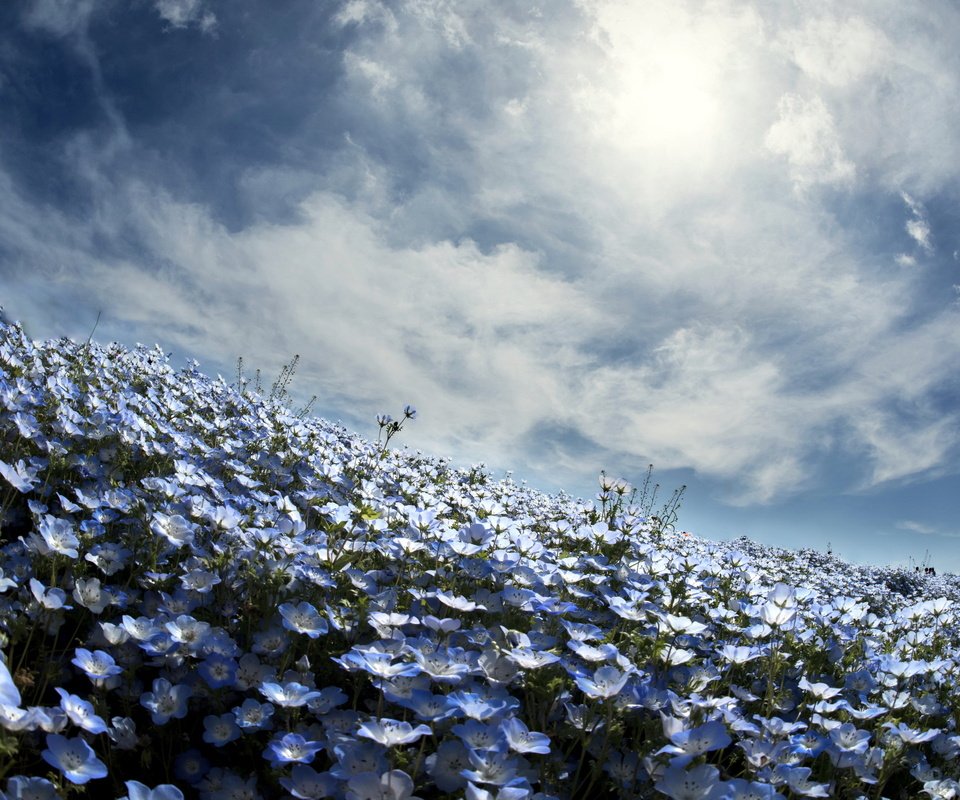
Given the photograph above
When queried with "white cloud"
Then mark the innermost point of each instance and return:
(184, 13)
(926, 530)
(61, 17)
(918, 227)
(837, 52)
(647, 283)
(807, 136)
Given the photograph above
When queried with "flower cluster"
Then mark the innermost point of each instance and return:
(203, 595)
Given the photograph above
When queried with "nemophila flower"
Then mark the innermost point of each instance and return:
(519, 789)
(522, 740)
(693, 742)
(391, 732)
(251, 673)
(98, 665)
(21, 787)
(251, 715)
(21, 476)
(220, 729)
(108, 557)
(200, 581)
(305, 783)
(696, 783)
(52, 599)
(272, 641)
(442, 624)
(303, 618)
(606, 682)
(188, 631)
(74, 758)
(458, 603)
(378, 664)
(847, 738)
(140, 791)
(354, 758)
(583, 717)
(739, 654)
(218, 671)
(528, 658)
(58, 535)
(9, 693)
(393, 785)
(427, 706)
(166, 701)
(582, 631)
(442, 665)
(290, 748)
(289, 695)
(123, 733)
(740, 789)
(489, 766)
(605, 652)
(909, 735)
(191, 766)
(91, 595)
(481, 736)
(445, 766)
(480, 707)
(176, 529)
(80, 712)
(624, 769)
(330, 697)
(798, 781)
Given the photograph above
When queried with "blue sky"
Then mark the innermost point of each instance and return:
(719, 237)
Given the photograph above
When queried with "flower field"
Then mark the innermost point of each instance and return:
(205, 595)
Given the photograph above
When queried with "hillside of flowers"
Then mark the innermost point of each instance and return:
(206, 595)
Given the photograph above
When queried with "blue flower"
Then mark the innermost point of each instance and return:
(20, 476)
(81, 712)
(694, 784)
(291, 747)
(9, 693)
(98, 665)
(20, 787)
(303, 618)
(305, 783)
(606, 682)
(252, 715)
(74, 758)
(166, 701)
(58, 535)
(140, 791)
(288, 695)
(191, 766)
(393, 785)
(522, 740)
(218, 671)
(391, 732)
(220, 729)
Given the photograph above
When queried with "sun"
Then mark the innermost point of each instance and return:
(666, 92)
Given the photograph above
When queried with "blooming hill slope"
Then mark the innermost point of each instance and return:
(203, 595)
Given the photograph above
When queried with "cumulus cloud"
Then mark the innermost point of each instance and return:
(806, 135)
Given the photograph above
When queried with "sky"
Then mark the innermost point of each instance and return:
(717, 237)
